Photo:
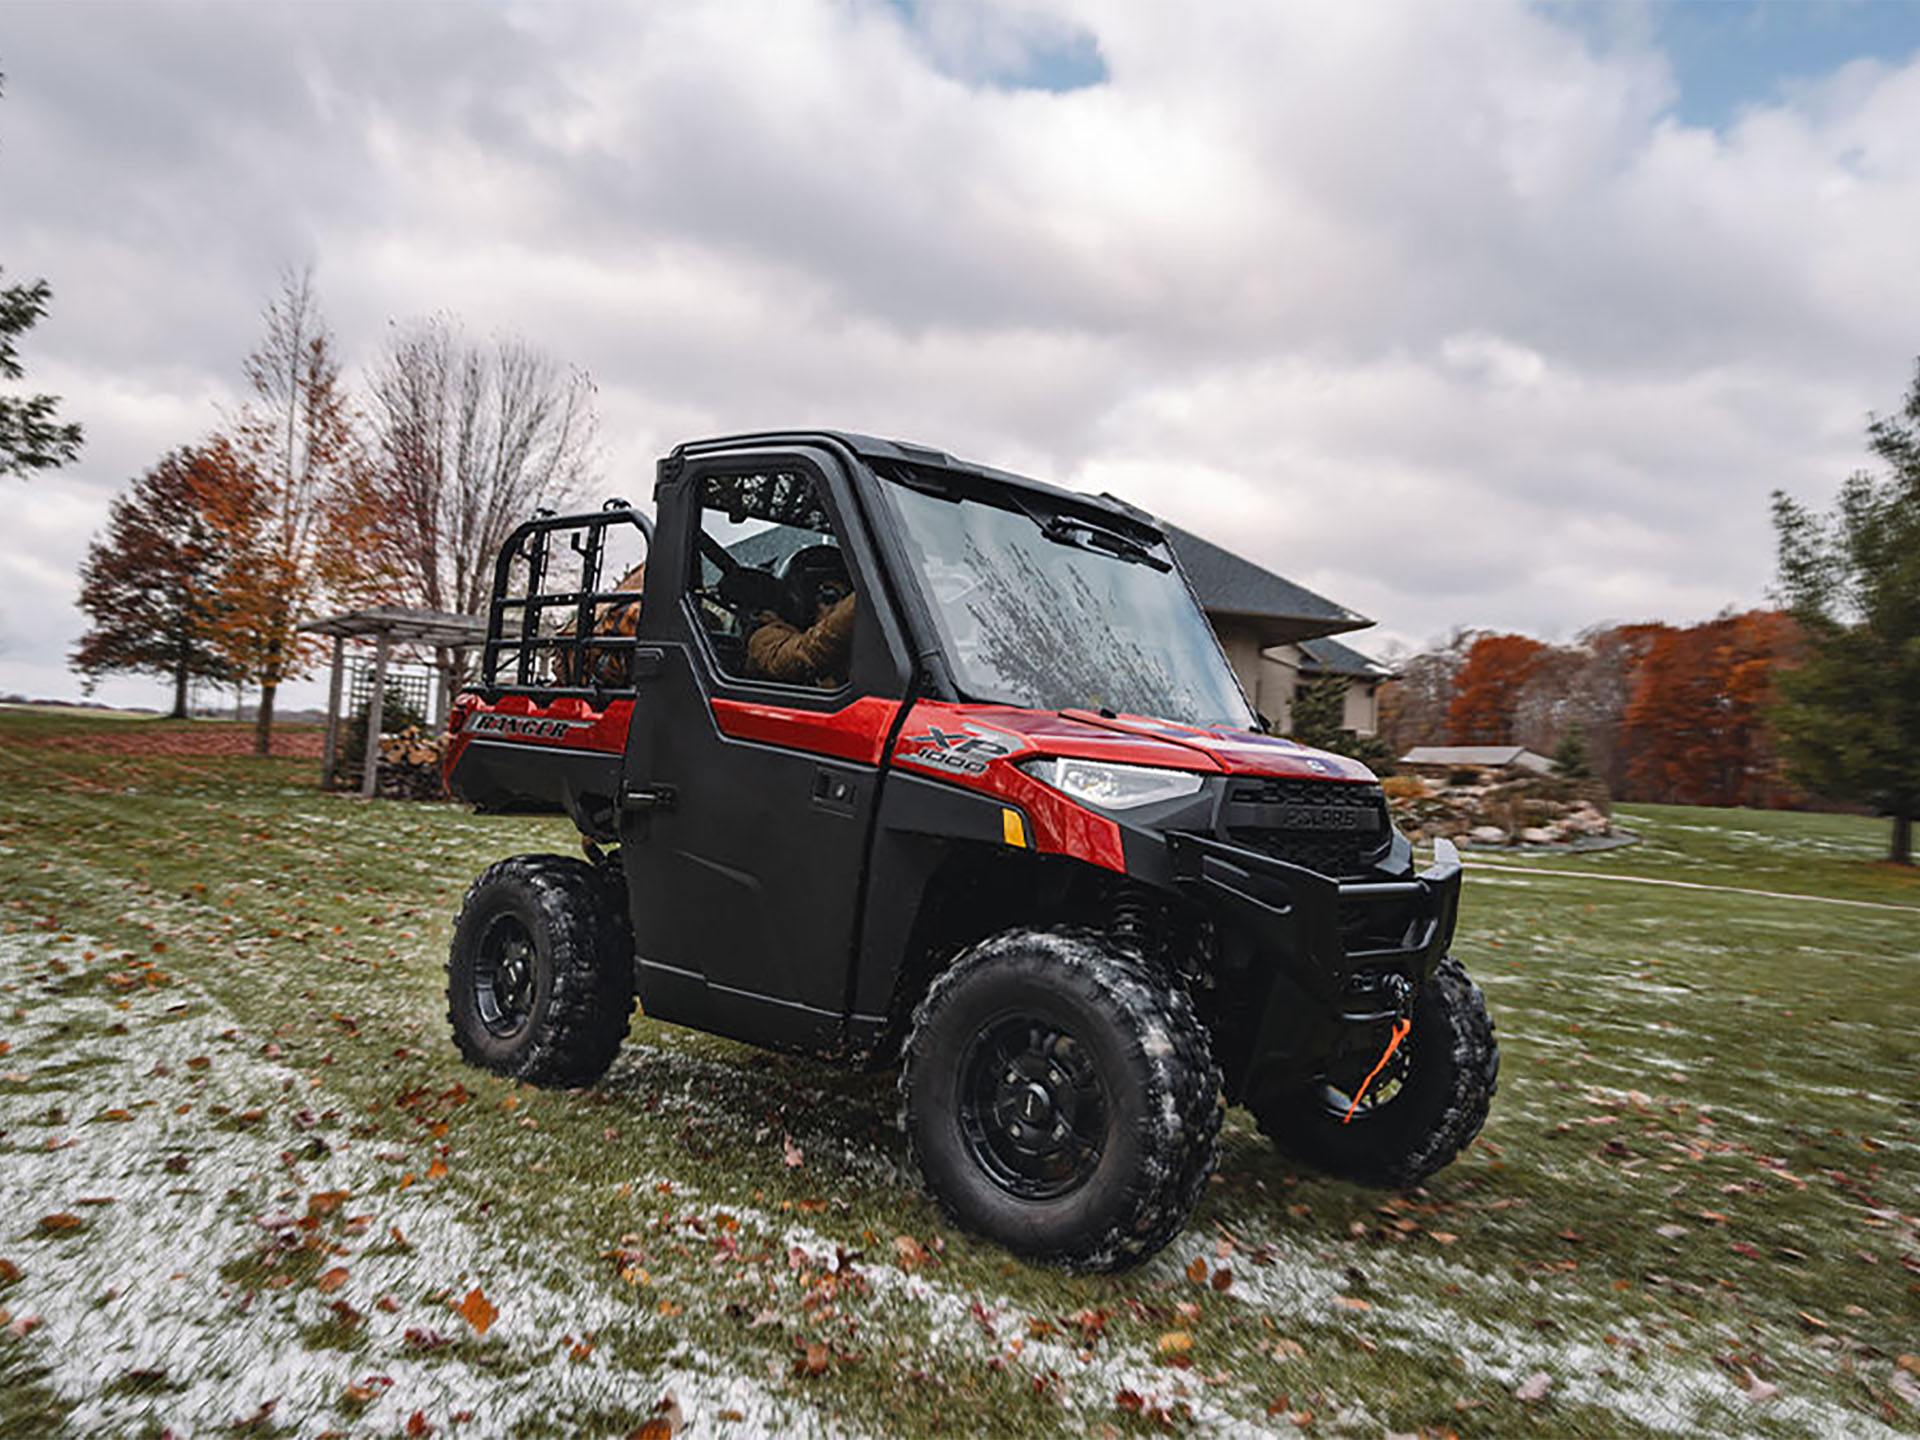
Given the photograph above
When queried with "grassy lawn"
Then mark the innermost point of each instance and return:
(247, 1182)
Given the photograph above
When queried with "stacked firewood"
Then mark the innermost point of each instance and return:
(410, 765)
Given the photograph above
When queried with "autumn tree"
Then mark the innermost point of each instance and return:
(151, 583)
(1696, 729)
(1413, 705)
(1849, 717)
(469, 440)
(1488, 688)
(297, 457)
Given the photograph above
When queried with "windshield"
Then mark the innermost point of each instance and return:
(1051, 611)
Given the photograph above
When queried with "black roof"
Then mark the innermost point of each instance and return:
(1226, 583)
(1330, 657)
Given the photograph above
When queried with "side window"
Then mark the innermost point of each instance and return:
(771, 586)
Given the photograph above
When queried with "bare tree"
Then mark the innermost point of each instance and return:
(294, 457)
(471, 439)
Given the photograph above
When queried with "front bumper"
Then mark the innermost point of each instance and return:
(1318, 955)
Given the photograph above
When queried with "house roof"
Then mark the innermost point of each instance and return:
(1487, 756)
(1229, 585)
(1322, 656)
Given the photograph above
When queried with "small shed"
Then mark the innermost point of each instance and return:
(387, 625)
(1477, 757)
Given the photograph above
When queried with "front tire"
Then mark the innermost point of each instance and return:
(1061, 1099)
(1435, 1100)
(540, 973)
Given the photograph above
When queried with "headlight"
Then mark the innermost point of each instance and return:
(1112, 787)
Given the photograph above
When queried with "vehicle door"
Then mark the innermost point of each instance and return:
(753, 762)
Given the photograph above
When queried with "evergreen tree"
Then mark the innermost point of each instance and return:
(1849, 718)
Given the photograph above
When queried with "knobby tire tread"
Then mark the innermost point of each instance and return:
(579, 1031)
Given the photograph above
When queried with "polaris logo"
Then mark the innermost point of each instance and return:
(1325, 817)
(522, 726)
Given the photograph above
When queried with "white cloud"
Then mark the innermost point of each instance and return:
(1434, 308)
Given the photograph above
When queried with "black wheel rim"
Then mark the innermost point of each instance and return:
(1033, 1111)
(1339, 1082)
(503, 976)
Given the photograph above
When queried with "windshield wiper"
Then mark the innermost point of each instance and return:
(1085, 535)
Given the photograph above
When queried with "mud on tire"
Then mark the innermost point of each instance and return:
(540, 973)
(1447, 1086)
(1060, 1099)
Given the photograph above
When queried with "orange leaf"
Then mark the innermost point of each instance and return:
(909, 1252)
(478, 1310)
(331, 1280)
(417, 1424)
(1197, 1271)
(1351, 1303)
(436, 1170)
(52, 1223)
(1175, 1342)
(1223, 1278)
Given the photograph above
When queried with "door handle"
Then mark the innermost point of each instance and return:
(835, 792)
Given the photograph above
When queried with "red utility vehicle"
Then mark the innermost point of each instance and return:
(897, 760)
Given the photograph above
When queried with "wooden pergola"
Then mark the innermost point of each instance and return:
(387, 625)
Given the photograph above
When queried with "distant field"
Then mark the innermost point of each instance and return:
(248, 1182)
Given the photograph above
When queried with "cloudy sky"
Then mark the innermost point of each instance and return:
(1490, 314)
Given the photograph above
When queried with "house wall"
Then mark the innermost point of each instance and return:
(1279, 678)
(1241, 642)
(1362, 715)
(1271, 676)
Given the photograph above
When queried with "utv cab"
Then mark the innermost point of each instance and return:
(1007, 823)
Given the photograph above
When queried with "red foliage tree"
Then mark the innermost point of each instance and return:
(151, 583)
(1696, 731)
(1487, 691)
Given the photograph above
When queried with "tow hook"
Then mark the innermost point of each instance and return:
(1402, 992)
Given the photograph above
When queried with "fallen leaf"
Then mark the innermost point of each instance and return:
(791, 1152)
(1442, 1237)
(1197, 1271)
(1905, 1388)
(667, 1420)
(417, 1424)
(1222, 1279)
(478, 1310)
(1533, 1387)
(22, 1325)
(1758, 1389)
(908, 1252)
(9, 1272)
(813, 1360)
(331, 1280)
(1672, 1232)
(1350, 1303)
(1909, 1363)
(436, 1169)
(53, 1224)
(1175, 1342)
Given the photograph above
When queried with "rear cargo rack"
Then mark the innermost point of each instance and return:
(542, 637)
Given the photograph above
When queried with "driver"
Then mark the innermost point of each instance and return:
(818, 587)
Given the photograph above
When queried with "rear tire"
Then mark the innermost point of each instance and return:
(540, 973)
(1445, 1089)
(1061, 1099)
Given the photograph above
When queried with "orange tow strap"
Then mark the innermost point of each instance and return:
(1401, 1028)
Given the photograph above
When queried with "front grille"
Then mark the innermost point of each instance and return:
(1335, 827)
